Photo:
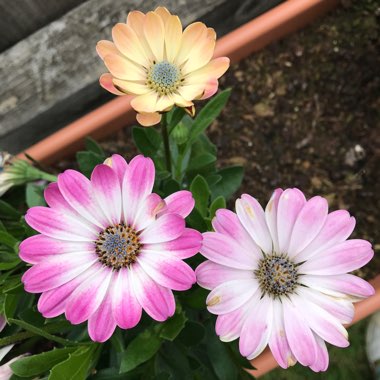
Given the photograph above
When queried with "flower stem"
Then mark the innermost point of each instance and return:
(165, 138)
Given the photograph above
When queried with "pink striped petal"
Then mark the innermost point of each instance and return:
(180, 202)
(341, 258)
(322, 358)
(337, 228)
(101, 324)
(210, 274)
(340, 285)
(278, 343)
(223, 250)
(156, 300)
(56, 271)
(230, 295)
(53, 302)
(86, 299)
(137, 185)
(185, 246)
(106, 81)
(40, 247)
(167, 227)
(227, 222)
(119, 165)
(271, 217)
(58, 225)
(228, 326)
(107, 191)
(309, 222)
(257, 328)
(78, 192)
(126, 309)
(167, 271)
(289, 206)
(147, 213)
(300, 338)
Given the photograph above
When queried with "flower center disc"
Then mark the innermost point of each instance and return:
(164, 77)
(277, 275)
(118, 246)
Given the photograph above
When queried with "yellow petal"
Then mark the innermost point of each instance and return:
(145, 103)
(121, 68)
(191, 36)
(128, 43)
(192, 91)
(173, 35)
(164, 102)
(154, 33)
(132, 88)
(199, 56)
(210, 89)
(148, 119)
(180, 101)
(106, 82)
(104, 48)
(214, 69)
(211, 33)
(135, 20)
(163, 13)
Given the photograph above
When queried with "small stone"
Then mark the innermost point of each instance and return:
(263, 110)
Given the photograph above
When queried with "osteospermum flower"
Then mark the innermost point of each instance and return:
(109, 247)
(159, 64)
(279, 277)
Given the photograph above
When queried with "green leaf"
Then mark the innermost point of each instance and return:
(173, 326)
(141, 349)
(201, 164)
(230, 182)
(93, 146)
(192, 334)
(8, 212)
(87, 162)
(34, 195)
(76, 366)
(40, 363)
(8, 260)
(10, 305)
(147, 140)
(218, 202)
(195, 220)
(201, 194)
(8, 240)
(175, 117)
(208, 114)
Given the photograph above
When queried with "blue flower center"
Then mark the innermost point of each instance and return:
(118, 246)
(164, 77)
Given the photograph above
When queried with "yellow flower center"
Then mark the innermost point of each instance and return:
(164, 77)
(118, 246)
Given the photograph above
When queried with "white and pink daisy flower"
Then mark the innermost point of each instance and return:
(279, 277)
(108, 247)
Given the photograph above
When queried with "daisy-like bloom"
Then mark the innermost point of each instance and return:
(108, 247)
(279, 277)
(152, 59)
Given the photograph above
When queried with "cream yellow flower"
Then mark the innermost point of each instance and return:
(160, 64)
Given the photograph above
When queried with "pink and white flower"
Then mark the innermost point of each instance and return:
(279, 277)
(108, 247)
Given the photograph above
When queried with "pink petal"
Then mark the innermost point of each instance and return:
(300, 338)
(119, 166)
(106, 81)
(337, 228)
(156, 300)
(180, 202)
(257, 328)
(137, 185)
(278, 343)
(289, 206)
(227, 222)
(224, 250)
(167, 227)
(309, 222)
(340, 285)
(147, 213)
(56, 271)
(228, 326)
(78, 192)
(107, 191)
(341, 258)
(271, 217)
(211, 88)
(53, 302)
(101, 324)
(167, 271)
(231, 295)
(185, 246)
(125, 307)
(55, 200)
(210, 274)
(86, 299)
(322, 360)
(40, 247)
(58, 225)
(252, 217)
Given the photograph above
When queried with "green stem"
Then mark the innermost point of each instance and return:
(48, 177)
(165, 138)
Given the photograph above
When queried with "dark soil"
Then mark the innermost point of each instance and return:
(304, 112)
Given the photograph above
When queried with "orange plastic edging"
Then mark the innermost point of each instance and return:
(114, 115)
(266, 362)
